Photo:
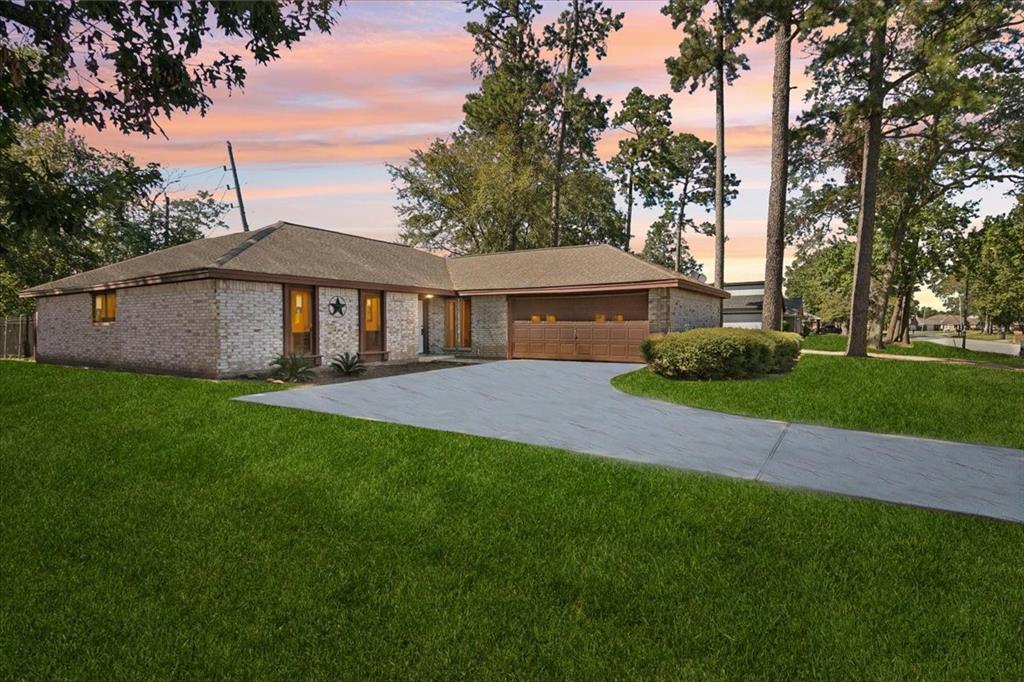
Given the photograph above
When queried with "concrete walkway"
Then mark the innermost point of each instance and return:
(572, 405)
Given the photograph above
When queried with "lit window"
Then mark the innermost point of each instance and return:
(104, 307)
(599, 317)
(618, 317)
(552, 318)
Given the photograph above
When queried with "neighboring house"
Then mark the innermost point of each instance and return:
(229, 305)
(743, 309)
(941, 322)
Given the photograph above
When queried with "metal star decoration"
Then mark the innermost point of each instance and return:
(336, 306)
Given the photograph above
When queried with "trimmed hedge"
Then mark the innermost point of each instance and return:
(721, 353)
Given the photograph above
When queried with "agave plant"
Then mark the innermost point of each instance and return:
(293, 368)
(348, 364)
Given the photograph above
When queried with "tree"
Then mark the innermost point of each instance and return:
(123, 210)
(579, 31)
(708, 56)
(917, 52)
(130, 63)
(786, 21)
(664, 247)
(495, 182)
(127, 64)
(823, 278)
(687, 167)
(637, 165)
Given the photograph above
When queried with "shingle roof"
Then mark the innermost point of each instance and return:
(566, 266)
(297, 251)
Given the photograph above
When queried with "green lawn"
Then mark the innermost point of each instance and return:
(836, 342)
(149, 527)
(950, 402)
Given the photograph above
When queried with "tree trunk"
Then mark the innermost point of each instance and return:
(629, 209)
(774, 304)
(563, 123)
(680, 221)
(720, 163)
(908, 304)
(964, 303)
(860, 299)
(892, 261)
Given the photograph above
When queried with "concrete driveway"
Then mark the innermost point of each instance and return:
(572, 405)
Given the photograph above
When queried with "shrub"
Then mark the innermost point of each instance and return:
(648, 345)
(722, 353)
(293, 368)
(348, 364)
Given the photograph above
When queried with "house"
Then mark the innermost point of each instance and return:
(940, 322)
(228, 305)
(743, 309)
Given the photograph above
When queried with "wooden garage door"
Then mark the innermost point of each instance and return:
(605, 327)
(605, 341)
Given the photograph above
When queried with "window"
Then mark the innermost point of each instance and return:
(458, 323)
(104, 307)
(300, 321)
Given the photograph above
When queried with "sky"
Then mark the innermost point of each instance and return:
(313, 131)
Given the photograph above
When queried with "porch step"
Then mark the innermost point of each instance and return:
(435, 358)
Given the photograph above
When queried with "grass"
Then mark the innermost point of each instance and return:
(837, 342)
(150, 527)
(949, 402)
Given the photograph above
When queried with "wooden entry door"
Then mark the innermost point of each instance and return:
(371, 322)
(300, 321)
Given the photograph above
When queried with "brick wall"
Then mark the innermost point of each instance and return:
(689, 310)
(338, 333)
(677, 310)
(403, 329)
(250, 326)
(160, 328)
(489, 326)
(657, 310)
(435, 325)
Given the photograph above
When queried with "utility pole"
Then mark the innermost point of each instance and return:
(167, 219)
(238, 189)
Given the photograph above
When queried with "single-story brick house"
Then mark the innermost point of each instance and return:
(228, 305)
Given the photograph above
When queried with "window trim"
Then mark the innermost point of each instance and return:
(314, 321)
(107, 297)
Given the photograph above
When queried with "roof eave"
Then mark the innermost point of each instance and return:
(611, 286)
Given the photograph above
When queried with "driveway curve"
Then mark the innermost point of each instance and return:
(572, 405)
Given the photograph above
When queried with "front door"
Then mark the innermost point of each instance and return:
(300, 333)
(371, 322)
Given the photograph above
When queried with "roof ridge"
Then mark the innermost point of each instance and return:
(349, 234)
(542, 248)
(663, 269)
(238, 249)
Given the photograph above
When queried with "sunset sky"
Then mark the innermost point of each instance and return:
(313, 131)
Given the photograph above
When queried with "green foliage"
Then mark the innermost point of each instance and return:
(712, 36)
(722, 353)
(660, 248)
(823, 279)
(105, 209)
(130, 63)
(348, 364)
(529, 135)
(293, 368)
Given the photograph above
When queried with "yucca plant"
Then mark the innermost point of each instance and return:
(348, 364)
(293, 368)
